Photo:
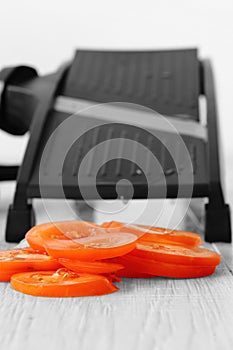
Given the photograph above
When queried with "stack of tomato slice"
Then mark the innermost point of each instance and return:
(77, 258)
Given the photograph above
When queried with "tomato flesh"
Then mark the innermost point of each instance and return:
(131, 273)
(24, 259)
(157, 234)
(92, 248)
(97, 267)
(177, 254)
(163, 269)
(62, 230)
(61, 283)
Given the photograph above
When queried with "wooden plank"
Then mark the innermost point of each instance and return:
(226, 250)
(144, 314)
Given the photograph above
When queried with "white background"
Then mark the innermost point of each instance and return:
(45, 33)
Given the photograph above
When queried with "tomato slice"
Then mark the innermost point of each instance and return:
(177, 254)
(131, 273)
(24, 259)
(157, 234)
(6, 276)
(62, 230)
(61, 283)
(101, 246)
(163, 269)
(126, 271)
(162, 235)
(97, 267)
(112, 277)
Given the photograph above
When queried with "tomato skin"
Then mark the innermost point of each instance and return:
(71, 249)
(163, 269)
(51, 284)
(157, 234)
(24, 260)
(177, 254)
(97, 267)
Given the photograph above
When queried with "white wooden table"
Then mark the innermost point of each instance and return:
(145, 314)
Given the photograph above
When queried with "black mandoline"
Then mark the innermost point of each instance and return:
(168, 82)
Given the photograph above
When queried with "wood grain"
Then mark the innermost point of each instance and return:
(147, 314)
(144, 314)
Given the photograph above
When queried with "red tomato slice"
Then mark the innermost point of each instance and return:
(58, 230)
(158, 268)
(130, 273)
(24, 259)
(160, 235)
(157, 234)
(112, 277)
(61, 283)
(126, 271)
(177, 254)
(6, 276)
(97, 267)
(97, 247)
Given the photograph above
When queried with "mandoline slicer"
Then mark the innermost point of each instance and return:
(168, 82)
